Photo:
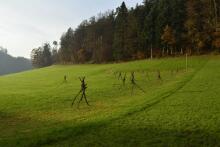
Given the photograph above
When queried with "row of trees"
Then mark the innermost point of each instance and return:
(161, 27)
(44, 55)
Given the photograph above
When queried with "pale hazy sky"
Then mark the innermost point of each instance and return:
(26, 24)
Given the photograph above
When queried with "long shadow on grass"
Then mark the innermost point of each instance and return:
(125, 135)
(143, 136)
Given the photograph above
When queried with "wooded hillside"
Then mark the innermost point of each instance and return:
(160, 27)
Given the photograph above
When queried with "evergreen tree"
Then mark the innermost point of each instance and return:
(149, 25)
(178, 19)
(66, 43)
(46, 55)
(132, 35)
(164, 11)
(120, 34)
(140, 13)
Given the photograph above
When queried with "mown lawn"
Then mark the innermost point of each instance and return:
(182, 109)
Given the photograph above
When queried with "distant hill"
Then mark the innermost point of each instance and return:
(9, 64)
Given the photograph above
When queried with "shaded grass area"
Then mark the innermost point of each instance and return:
(35, 106)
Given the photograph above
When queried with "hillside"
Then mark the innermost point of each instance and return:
(155, 28)
(180, 109)
(9, 64)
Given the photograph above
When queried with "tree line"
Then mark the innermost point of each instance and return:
(155, 28)
(45, 55)
(3, 50)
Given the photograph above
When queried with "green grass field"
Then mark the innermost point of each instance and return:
(182, 109)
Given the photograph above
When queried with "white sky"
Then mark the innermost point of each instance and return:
(27, 24)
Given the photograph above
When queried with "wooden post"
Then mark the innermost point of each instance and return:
(186, 62)
(151, 52)
(124, 79)
(65, 78)
(159, 75)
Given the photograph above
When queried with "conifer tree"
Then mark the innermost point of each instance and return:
(120, 33)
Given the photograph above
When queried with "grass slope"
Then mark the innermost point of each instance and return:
(181, 110)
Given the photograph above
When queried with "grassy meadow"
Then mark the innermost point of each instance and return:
(181, 109)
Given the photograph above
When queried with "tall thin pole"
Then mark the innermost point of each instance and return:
(151, 52)
(186, 62)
